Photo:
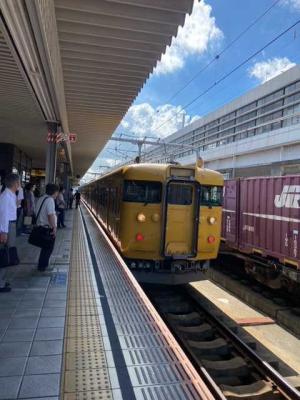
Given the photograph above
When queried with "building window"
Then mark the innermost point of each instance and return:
(227, 124)
(212, 124)
(293, 98)
(292, 88)
(291, 121)
(270, 107)
(246, 108)
(270, 97)
(245, 117)
(269, 117)
(212, 131)
(245, 126)
(227, 117)
(292, 109)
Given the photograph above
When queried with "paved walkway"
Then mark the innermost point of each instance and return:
(32, 319)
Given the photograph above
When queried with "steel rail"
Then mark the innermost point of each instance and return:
(264, 367)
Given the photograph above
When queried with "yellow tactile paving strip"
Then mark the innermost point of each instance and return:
(85, 374)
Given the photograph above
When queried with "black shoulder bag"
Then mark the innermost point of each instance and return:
(41, 236)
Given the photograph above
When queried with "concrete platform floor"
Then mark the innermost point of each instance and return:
(32, 318)
(272, 337)
(274, 308)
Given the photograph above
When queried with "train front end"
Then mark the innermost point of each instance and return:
(171, 222)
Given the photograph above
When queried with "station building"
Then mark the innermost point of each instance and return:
(258, 134)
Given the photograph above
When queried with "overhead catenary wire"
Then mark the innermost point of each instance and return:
(226, 48)
(225, 76)
(240, 77)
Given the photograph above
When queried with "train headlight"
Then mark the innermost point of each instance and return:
(141, 217)
(155, 217)
(211, 220)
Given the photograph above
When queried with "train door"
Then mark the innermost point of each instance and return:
(181, 219)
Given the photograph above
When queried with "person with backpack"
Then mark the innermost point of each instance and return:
(46, 217)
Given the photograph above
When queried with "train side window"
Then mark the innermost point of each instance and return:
(211, 196)
(180, 194)
(142, 192)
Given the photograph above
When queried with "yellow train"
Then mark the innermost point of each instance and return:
(165, 219)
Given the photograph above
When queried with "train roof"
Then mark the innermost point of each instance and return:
(151, 170)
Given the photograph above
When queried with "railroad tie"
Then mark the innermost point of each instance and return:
(198, 332)
(176, 307)
(190, 319)
(260, 390)
(236, 366)
(212, 349)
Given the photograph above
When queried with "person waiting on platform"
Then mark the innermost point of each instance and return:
(29, 206)
(46, 216)
(77, 198)
(60, 208)
(20, 212)
(8, 217)
(71, 198)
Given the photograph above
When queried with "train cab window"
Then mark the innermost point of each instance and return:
(211, 196)
(142, 192)
(180, 194)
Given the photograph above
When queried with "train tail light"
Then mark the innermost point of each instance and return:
(211, 239)
(139, 237)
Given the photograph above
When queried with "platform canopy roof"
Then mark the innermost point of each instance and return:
(81, 63)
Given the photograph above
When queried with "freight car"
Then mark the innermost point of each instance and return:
(260, 224)
(164, 219)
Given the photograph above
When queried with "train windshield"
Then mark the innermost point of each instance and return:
(142, 192)
(180, 194)
(211, 196)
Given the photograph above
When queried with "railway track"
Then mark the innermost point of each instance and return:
(229, 366)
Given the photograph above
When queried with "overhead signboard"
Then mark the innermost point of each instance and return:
(61, 137)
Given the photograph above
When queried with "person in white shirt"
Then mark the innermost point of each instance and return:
(61, 205)
(20, 216)
(8, 216)
(46, 216)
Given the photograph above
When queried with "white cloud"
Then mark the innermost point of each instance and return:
(266, 70)
(145, 120)
(141, 120)
(293, 4)
(198, 34)
(105, 162)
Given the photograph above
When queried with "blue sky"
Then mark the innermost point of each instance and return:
(211, 27)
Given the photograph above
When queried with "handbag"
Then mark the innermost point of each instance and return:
(41, 236)
(4, 257)
(8, 256)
